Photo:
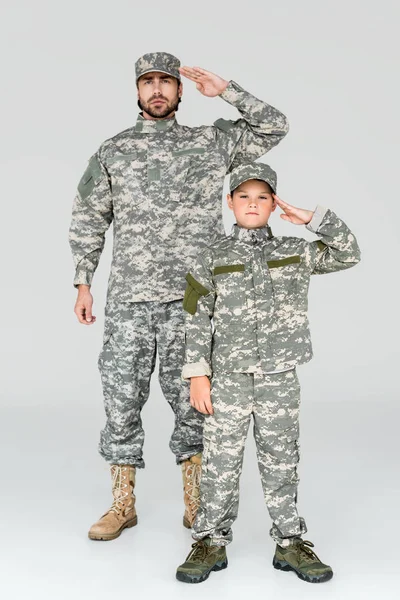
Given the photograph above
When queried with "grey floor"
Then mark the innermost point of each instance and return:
(55, 486)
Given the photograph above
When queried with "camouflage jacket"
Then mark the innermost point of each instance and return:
(246, 297)
(161, 184)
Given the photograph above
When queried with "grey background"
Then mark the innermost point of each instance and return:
(68, 84)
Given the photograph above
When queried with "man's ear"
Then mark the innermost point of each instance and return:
(180, 89)
(230, 201)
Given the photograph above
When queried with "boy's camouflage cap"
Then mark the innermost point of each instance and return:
(158, 61)
(253, 171)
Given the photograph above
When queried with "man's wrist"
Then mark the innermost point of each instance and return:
(83, 287)
(225, 85)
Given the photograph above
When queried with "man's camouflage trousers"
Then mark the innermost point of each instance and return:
(273, 401)
(134, 333)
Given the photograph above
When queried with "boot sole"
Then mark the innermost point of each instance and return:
(282, 565)
(186, 578)
(186, 523)
(106, 537)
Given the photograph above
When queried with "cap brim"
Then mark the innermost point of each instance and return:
(255, 177)
(157, 71)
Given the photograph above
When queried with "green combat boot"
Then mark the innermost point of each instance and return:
(299, 557)
(203, 559)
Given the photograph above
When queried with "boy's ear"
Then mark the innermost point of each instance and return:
(230, 201)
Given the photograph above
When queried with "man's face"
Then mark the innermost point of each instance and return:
(158, 94)
(252, 204)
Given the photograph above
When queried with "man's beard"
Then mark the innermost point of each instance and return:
(160, 113)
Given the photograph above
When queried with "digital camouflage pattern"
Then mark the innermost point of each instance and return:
(246, 304)
(254, 287)
(273, 400)
(253, 171)
(158, 61)
(133, 332)
(161, 185)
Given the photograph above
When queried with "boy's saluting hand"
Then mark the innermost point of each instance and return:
(298, 216)
(207, 83)
(200, 397)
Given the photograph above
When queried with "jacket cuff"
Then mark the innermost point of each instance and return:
(317, 219)
(196, 370)
(83, 277)
(232, 93)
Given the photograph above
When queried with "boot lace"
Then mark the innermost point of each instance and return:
(119, 488)
(193, 477)
(199, 552)
(308, 555)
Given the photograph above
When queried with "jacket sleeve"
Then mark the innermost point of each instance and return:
(198, 304)
(92, 215)
(261, 127)
(338, 248)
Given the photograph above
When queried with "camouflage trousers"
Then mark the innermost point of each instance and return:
(273, 401)
(134, 333)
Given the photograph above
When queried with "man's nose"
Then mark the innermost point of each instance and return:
(156, 88)
(253, 204)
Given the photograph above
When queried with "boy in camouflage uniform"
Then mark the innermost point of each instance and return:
(160, 183)
(253, 286)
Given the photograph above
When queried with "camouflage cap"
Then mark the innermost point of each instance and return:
(158, 61)
(253, 171)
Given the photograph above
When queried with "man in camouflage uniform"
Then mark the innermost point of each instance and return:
(254, 286)
(160, 183)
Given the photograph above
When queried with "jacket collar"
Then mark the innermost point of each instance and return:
(251, 236)
(154, 126)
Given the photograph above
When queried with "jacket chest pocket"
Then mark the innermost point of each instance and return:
(128, 173)
(177, 172)
(230, 285)
(284, 274)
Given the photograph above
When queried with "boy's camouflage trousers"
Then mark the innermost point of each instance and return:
(273, 400)
(134, 333)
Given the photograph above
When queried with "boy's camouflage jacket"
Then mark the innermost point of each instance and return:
(246, 296)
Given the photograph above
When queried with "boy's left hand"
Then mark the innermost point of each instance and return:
(298, 216)
(207, 83)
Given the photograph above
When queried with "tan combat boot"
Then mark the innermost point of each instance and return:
(191, 473)
(122, 513)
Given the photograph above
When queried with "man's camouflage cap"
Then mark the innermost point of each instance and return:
(253, 171)
(158, 61)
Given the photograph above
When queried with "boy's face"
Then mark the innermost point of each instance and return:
(252, 203)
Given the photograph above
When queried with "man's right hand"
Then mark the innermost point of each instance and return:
(83, 306)
(200, 397)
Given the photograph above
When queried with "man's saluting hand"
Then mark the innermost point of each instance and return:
(207, 83)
